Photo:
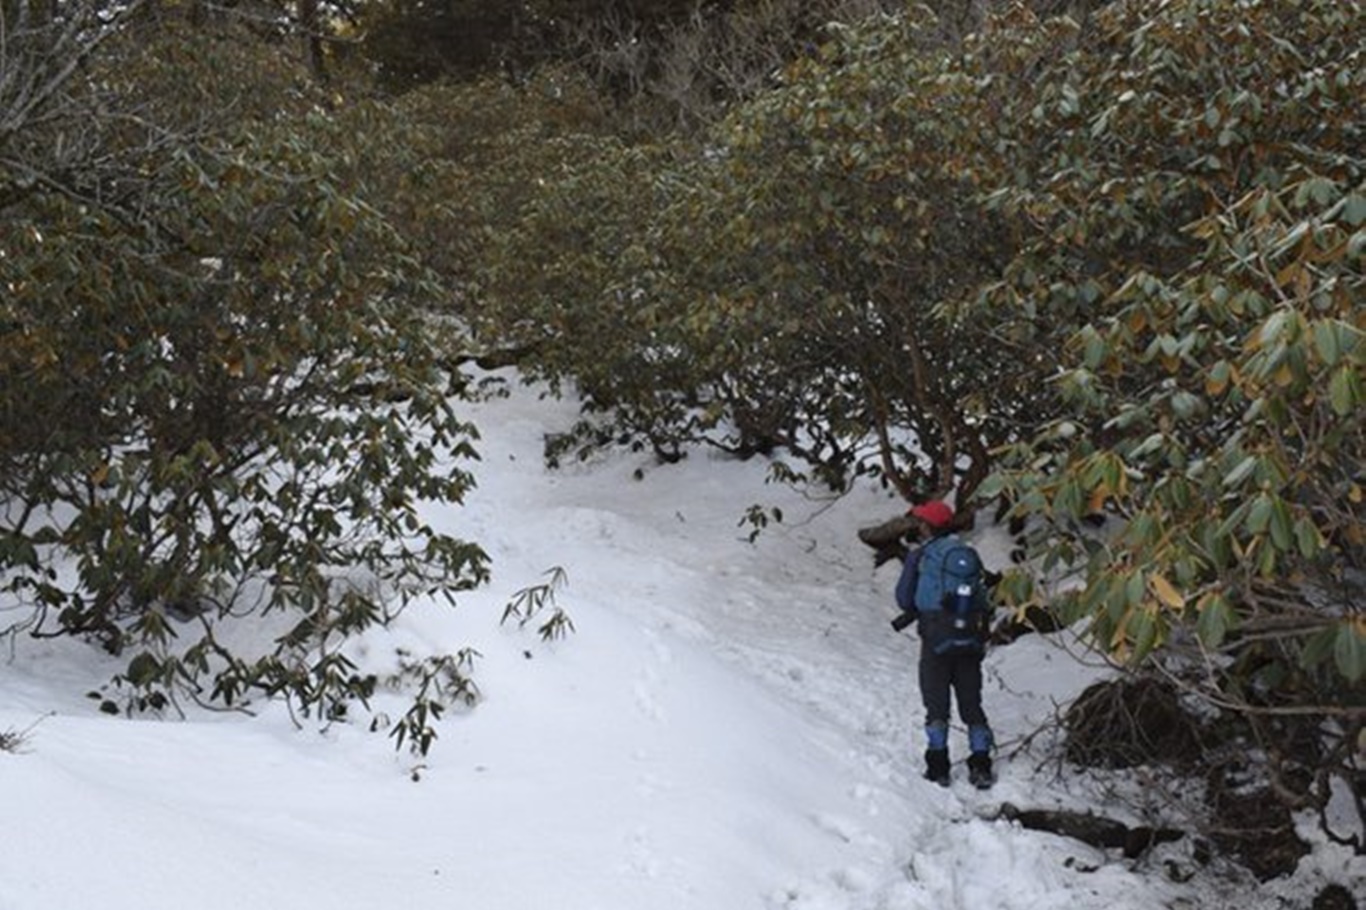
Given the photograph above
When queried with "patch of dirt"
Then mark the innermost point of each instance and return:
(1127, 722)
(1251, 825)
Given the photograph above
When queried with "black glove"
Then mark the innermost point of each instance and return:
(907, 618)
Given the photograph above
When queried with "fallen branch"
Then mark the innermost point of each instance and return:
(1096, 830)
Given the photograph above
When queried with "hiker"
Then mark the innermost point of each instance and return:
(941, 588)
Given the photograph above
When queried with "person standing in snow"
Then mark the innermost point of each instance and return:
(941, 589)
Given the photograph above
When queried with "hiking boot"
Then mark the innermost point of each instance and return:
(937, 766)
(979, 770)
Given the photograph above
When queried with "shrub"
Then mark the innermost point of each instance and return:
(219, 394)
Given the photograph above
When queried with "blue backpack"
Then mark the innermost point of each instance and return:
(951, 597)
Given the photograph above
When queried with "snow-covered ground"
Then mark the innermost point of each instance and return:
(731, 726)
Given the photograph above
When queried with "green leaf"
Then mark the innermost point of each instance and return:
(1234, 519)
(1354, 209)
(1145, 632)
(142, 670)
(1093, 347)
(1281, 526)
(1320, 189)
(1114, 594)
(1185, 405)
(991, 488)
(1142, 532)
(1272, 328)
(1344, 389)
(1307, 538)
(1240, 472)
(1327, 340)
(1217, 379)
(1259, 516)
(1318, 647)
(1134, 589)
(1069, 499)
(1349, 651)
(1216, 618)
(1266, 563)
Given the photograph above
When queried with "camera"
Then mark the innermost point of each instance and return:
(905, 619)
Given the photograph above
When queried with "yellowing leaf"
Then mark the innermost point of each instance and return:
(1119, 638)
(1217, 378)
(1166, 592)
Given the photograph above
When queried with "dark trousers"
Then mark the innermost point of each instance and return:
(958, 676)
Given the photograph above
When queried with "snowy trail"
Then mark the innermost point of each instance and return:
(803, 611)
(732, 726)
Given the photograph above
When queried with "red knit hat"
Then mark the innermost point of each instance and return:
(936, 513)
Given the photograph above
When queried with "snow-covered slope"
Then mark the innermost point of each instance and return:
(732, 726)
